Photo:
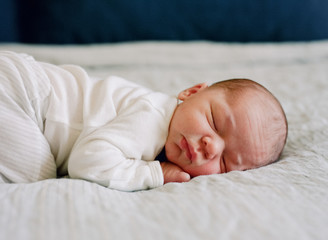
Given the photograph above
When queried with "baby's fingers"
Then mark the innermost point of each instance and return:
(183, 177)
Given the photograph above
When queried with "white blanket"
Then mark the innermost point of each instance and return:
(285, 200)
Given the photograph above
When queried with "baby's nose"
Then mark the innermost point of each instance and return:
(212, 147)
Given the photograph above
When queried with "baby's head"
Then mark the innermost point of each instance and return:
(231, 125)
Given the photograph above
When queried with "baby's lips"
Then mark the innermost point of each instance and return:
(189, 150)
(184, 146)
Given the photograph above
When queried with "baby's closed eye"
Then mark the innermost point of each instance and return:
(211, 121)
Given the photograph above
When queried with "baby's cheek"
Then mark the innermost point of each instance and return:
(172, 152)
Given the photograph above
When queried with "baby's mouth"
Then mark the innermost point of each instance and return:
(187, 148)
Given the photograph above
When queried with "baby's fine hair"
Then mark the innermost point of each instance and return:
(279, 125)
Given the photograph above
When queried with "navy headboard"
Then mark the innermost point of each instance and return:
(94, 21)
(8, 21)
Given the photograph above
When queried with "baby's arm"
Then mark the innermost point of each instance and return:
(173, 173)
(96, 158)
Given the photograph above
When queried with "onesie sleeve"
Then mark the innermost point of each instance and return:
(98, 161)
(120, 155)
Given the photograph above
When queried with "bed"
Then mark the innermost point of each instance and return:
(285, 200)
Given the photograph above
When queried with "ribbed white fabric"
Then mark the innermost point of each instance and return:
(25, 154)
(56, 119)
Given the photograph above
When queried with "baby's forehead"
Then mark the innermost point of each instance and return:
(251, 101)
(249, 104)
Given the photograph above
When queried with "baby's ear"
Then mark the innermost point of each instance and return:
(191, 91)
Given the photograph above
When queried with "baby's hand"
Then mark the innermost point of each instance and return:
(173, 173)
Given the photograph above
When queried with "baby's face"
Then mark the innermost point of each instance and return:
(208, 135)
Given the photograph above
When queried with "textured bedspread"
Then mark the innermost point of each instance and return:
(286, 200)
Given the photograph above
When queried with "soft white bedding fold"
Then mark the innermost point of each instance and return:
(286, 200)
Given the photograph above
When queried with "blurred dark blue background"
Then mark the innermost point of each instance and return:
(98, 21)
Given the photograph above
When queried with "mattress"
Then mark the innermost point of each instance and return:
(285, 200)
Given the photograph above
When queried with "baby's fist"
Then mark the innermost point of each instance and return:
(173, 173)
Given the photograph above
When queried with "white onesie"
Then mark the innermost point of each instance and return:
(106, 131)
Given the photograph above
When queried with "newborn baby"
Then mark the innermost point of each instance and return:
(57, 121)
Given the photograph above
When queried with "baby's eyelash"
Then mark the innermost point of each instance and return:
(213, 121)
(214, 125)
